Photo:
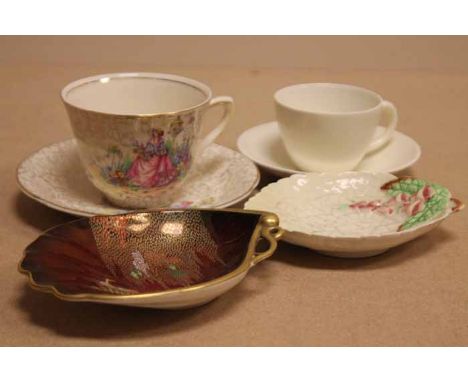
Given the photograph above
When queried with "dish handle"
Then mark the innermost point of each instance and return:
(271, 232)
(457, 205)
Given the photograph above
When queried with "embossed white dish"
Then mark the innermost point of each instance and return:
(354, 214)
(54, 176)
(263, 145)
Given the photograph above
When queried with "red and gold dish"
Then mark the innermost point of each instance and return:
(159, 259)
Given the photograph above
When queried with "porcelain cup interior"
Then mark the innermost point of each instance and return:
(330, 127)
(136, 94)
(148, 252)
(139, 133)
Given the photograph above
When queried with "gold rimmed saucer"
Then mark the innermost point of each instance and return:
(54, 176)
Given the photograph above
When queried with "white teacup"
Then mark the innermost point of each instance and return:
(138, 134)
(330, 127)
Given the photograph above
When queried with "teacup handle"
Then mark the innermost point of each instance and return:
(390, 111)
(228, 106)
(271, 232)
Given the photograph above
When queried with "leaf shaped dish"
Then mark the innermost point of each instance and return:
(159, 259)
(354, 214)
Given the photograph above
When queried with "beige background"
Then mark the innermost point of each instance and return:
(416, 294)
(333, 52)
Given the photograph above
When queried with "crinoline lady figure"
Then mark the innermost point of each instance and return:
(153, 166)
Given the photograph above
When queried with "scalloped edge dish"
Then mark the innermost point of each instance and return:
(355, 214)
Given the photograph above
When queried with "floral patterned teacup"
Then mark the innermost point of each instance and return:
(139, 133)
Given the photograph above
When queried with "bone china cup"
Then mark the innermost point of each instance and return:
(330, 127)
(138, 134)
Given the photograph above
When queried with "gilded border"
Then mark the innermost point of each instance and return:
(267, 220)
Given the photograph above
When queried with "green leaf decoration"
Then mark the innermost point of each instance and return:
(407, 186)
(133, 186)
(175, 271)
(126, 164)
(436, 205)
(169, 147)
(433, 207)
(136, 274)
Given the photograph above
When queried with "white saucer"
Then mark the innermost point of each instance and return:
(54, 176)
(263, 145)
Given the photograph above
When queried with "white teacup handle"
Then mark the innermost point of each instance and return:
(391, 115)
(228, 106)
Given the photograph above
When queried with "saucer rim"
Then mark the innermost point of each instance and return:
(116, 209)
(284, 171)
